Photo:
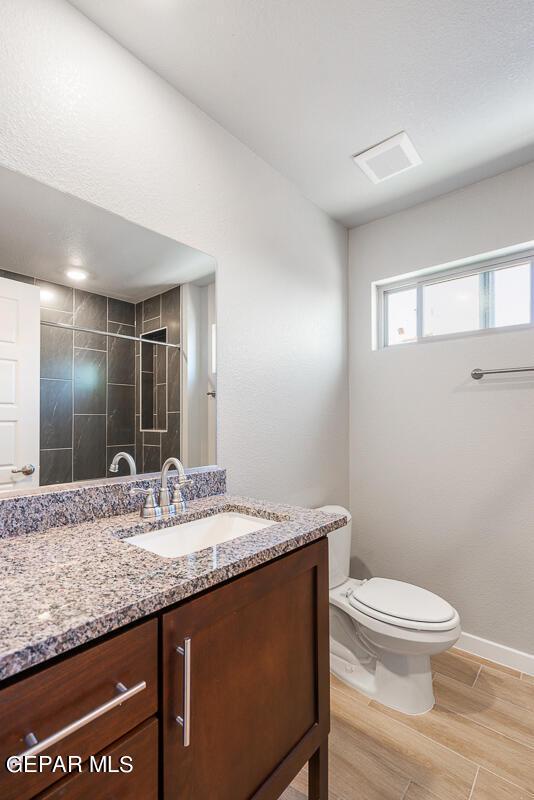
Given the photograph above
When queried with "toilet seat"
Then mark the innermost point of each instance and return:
(403, 605)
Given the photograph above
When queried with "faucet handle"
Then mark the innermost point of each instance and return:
(149, 508)
(178, 500)
(142, 490)
(177, 492)
(178, 486)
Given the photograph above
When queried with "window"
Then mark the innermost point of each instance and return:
(402, 316)
(492, 295)
(451, 306)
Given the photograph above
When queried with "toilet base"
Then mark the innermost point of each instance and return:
(401, 682)
(405, 683)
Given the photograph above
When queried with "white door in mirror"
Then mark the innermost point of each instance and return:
(190, 537)
(19, 385)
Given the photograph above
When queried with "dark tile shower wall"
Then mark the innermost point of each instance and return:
(121, 381)
(57, 385)
(97, 372)
(88, 383)
(152, 448)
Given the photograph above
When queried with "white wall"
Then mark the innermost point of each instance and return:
(442, 467)
(80, 113)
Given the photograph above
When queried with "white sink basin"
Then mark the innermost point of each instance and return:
(190, 537)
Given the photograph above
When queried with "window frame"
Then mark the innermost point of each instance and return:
(418, 281)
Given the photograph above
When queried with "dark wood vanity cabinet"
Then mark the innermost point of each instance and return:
(225, 697)
(245, 671)
(53, 698)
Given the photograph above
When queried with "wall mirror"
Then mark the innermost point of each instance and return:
(108, 337)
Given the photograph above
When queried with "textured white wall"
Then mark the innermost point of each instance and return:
(80, 113)
(442, 467)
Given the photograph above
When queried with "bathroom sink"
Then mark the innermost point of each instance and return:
(190, 537)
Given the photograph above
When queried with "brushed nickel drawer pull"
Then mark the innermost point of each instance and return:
(185, 721)
(35, 746)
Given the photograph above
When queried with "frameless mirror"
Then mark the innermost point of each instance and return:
(107, 342)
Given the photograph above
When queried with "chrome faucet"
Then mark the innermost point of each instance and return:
(114, 466)
(169, 505)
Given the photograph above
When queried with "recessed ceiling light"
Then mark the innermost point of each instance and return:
(76, 274)
(391, 157)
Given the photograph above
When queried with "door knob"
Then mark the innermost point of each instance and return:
(27, 469)
(211, 394)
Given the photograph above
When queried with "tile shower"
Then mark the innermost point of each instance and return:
(90, 383)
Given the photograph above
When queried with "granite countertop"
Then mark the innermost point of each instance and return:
(65, 586)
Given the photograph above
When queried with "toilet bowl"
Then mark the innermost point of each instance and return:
(383, 632)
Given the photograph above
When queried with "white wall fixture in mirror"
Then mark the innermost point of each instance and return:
(109, 358)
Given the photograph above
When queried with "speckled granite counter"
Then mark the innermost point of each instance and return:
(65, 586)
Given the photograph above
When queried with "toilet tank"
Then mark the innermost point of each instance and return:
(339, 543)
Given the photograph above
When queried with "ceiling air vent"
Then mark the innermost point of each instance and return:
(389, 158)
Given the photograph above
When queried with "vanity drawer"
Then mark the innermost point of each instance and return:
(94, 698)
(142, 782)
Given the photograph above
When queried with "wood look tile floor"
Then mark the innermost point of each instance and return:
(477, 743)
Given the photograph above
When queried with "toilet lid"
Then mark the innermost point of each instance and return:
(403, 600)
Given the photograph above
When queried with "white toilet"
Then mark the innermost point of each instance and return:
(383, 632)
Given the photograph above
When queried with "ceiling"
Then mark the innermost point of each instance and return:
(308, 83)
(43, 232)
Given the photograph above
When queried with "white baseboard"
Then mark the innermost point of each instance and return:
(516, 659)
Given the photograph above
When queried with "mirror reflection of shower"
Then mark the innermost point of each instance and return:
(126, 358)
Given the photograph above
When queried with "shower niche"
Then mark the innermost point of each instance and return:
(154, 381)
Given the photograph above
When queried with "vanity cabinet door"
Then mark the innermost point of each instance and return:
(245, 671)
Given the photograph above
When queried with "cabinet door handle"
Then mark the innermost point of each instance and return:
(185, 720)
(36, 746)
